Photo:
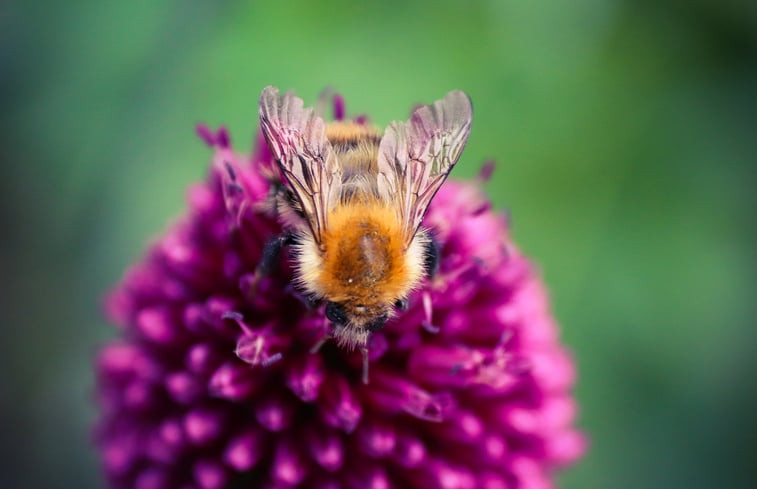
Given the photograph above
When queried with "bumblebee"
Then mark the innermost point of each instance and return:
(353, 203)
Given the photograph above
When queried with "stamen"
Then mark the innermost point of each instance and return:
(428, 312)
(222, 137)
(267, 362)
(219, 138)
(430, 327)
(230, 171)
(253, 346)
(338, 107)
(234, 188)
(484, 207)
(317, 347)
(206, 134)
(238, 318)
(486, 171)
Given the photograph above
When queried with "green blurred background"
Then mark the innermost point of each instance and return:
(626, 139)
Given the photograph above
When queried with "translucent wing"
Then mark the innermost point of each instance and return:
(416, 156)
(297, 139)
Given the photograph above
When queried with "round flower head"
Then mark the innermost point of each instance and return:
(214, 382)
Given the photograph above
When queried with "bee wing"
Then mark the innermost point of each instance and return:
(297, 138)
(416, 156)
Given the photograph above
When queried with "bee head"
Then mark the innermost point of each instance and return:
(352, 323)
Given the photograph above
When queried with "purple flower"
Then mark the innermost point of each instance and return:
(212, 383)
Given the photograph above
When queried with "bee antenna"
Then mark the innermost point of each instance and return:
(366, 360)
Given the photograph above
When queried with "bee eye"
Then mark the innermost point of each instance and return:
(402, 304)
(377, 323)
(335, 313)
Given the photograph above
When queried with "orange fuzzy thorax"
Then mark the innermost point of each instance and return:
(340, 132)
(364, 259)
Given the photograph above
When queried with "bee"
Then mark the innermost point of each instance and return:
(353, 204)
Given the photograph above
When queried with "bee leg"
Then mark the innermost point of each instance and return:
(431, 257)
(366, 363)
(270, 258)
(431, 263)
(272, 252)
(310, 301)
(326, 337)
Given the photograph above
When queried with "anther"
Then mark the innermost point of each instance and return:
(253, 350)
(428, 312)
(430, 327)
(222, 138)
(484, 207)
(238, 318)
(206, 134)
(234, 188)
(338, 107)
(230, 170)
(486, 171)
(267, 362)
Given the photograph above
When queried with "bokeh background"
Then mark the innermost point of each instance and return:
(626, 141)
